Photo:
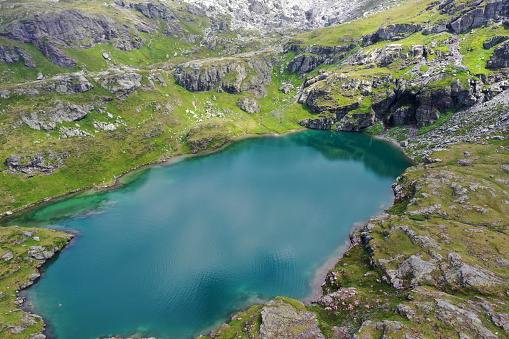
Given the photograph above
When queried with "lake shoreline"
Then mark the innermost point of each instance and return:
(318, 276)
(117, 182)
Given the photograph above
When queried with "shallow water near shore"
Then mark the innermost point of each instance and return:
(179, 248)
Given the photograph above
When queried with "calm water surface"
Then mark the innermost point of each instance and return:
(179, 248)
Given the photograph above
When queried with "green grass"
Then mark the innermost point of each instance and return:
(475, 56)
(375, 129)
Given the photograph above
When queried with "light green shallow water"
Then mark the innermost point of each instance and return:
(181, 247)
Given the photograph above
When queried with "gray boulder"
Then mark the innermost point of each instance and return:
(249, 105)
(40, 253)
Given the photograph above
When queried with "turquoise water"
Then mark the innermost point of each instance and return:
(178, 248)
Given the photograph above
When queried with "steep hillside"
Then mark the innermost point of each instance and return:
(90, 90)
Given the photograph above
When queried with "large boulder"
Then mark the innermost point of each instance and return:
(249, 105)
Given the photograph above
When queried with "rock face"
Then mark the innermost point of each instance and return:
(40, 162)
(249, 105)
(70, 28)
(282, 320)
(244, 72)
(10, 54)
(310, 57)
(476, 16)
(171, 19)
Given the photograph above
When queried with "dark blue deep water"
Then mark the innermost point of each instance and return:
(180, 247)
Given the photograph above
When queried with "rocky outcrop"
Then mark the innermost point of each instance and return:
(42, 253)
(242, 73)
(73, 28)
(452, 271)
(386, 55)
(497, 10)
(249, 105)
(392, 32)
(10, 54)
(492, 42)
(282, 320)
(70, 84)
(310, 57)
(155, 10)
(464, 318)
(32, 163)
(63, 111)
(123, 85)
(500, 57)
(476, 14)
(368, 99)
(163, 12)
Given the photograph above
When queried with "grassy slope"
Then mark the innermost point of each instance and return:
(108, 154)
